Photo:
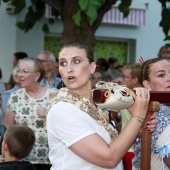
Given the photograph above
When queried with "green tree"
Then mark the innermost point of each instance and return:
(165, 21)
(81, 18)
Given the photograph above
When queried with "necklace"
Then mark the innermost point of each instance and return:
(40, 87)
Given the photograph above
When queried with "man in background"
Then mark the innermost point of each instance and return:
(50, 77)
(16, 58)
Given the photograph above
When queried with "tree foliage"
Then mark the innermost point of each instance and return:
(78, 13)
(89, 8)
(165, 21)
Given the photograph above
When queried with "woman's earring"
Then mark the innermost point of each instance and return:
(91, 77)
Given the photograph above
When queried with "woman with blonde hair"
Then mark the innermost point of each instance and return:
(28, 106)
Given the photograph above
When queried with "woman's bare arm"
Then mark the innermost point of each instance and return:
(95, 150)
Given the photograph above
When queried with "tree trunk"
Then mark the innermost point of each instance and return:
(72, 32)
(84, 34)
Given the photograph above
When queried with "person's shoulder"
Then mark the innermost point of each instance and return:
(27, 165)
(67, 110)
(52, 89)
(15, 88)
(3, 164)
(18, 91)
(57, 79)
(8, 92)
(17, 165)
(2, 86)
(64, 107)
(164, 108)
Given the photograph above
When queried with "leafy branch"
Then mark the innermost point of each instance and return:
(88, 8)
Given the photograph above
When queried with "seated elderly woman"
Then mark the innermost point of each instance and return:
(28, 106)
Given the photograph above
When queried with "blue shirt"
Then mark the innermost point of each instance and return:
(163, 118)
(5, 98)
(57, 80)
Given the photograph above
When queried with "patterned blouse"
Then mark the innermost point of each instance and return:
(25, 109)
(163, 117)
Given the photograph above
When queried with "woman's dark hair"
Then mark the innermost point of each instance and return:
(112, 60)
(61, 85)
(102, 64)
(80, 45)
(145, 70)
(20, 55)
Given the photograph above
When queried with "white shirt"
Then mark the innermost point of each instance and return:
(67, 124)
(156, 159)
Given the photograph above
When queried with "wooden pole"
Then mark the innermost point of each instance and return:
(146, 138)
(156, 97)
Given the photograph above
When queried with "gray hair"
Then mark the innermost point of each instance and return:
(115, 74)
(52, 57)
(50, 54)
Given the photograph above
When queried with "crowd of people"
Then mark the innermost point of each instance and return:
(51, 121)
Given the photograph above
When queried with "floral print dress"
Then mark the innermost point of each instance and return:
(163, 117)
(25, 109)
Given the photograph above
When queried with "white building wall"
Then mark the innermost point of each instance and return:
(149, 38)
(7, 41)
(31, 42)
(146, 40)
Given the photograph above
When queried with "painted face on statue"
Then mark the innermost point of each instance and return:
(75, 69)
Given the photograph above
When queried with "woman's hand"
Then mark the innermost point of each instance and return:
(42, 112)
(151, 125)
(140, 106)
